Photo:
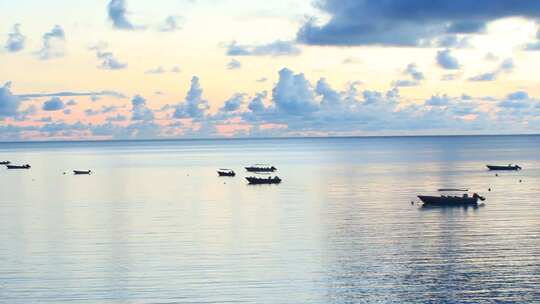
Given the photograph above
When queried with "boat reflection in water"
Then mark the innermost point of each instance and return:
(452, 200)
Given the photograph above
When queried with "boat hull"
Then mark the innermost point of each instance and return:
(503, 168)
(226, 174)
(260, 170)
(77, 172)
(12, 167)
(263, 181)
(448, 201)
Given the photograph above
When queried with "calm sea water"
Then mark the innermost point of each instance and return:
(154, 223)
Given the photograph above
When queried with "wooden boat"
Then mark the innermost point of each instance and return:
(263, 180)
(226, 172)
(11, 167)
(261, 168)
(451, 200)
(7, 162)
(82, 172)
(504, 168)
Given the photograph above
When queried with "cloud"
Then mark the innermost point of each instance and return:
(506, 67)
(293, 94)
(118, 15)
(534, 46)
(519, 95)
(103, 110)
(118, 117)
(171, 24)
(234, 64)
(446, 61)
(162, 70)
(72, 94)
(9, 103)
(53, 104)
(437, 101)
(256, 105)
(415, 77)
(108, 60)
(16, 40)
(275, 49)
(453, 41)
(519, 100)
(233, 104)
(194, 105)
(139, 109)
(406, 23)
(53, 44)
(157, 70)
(450, 77)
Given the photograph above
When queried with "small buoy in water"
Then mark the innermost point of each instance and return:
(489, 189)
(412, 202)
(520, 181)
(496, 174)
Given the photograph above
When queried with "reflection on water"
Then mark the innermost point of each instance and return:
(154, 223)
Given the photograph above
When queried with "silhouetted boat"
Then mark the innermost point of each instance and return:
(82, 172)
(7, 162)
(226, 172)
(27, 166)
(263, 180)
(504, 168)
(261, 168)
(451, 200)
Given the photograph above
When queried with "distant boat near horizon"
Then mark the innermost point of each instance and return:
(263, 180)
(226, 172)
(82, 172)
(509, 167)
(261, 168)
(14, 167)
(7, 162)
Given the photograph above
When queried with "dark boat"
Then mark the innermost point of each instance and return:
(451, 201)
(27, 166)
(504, 168)
(226, 172)
(261, 168)
(263, 180)
(82, 172)
(7, 162)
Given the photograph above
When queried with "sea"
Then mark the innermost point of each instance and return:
(154, 223)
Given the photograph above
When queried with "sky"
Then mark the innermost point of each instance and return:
(139, 69)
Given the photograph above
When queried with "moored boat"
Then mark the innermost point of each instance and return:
(82, 172)
(504, 168)
(27, 166)
(263, 180)
(226, 172)
(7, 162)
(451, 200)
(261, 168)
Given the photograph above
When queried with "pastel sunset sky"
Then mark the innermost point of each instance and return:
(139, 69)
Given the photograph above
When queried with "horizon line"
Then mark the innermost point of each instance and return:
(261, 138)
